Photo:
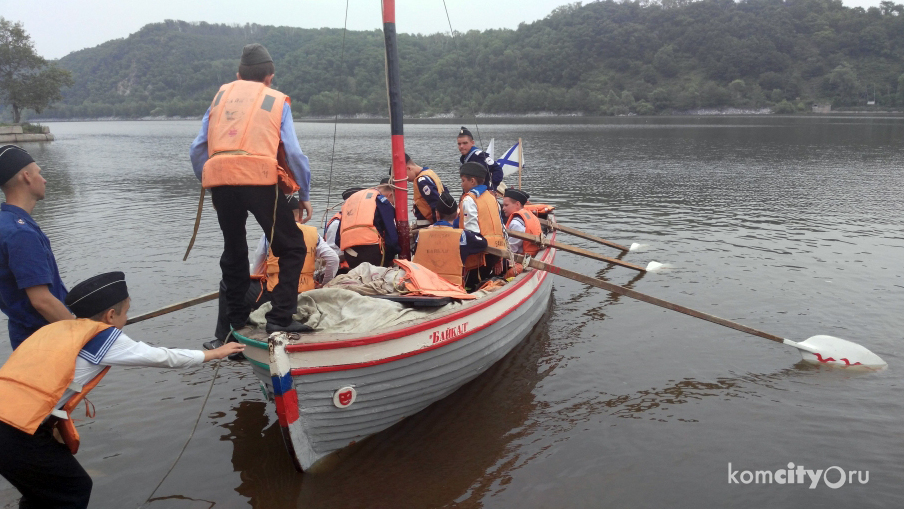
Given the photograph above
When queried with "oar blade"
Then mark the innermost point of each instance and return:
(829, 350)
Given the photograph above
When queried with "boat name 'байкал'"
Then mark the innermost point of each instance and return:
(449, 333)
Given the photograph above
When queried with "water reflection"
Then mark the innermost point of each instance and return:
(428, 460)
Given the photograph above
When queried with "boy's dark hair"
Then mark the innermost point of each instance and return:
(480, 180)
(115, 307)
(256, 72)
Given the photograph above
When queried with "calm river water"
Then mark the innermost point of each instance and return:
(791, 225)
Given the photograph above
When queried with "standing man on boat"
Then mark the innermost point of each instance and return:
(31, 290)
(479, 212)
(427, 189)
(52, 371)
(471, 154)
(247, 140)
(367, 232)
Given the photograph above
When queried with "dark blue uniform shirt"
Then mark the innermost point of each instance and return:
(429, 191)
(494, 171)
(25, 261)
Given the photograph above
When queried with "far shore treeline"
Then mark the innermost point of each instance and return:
(603, 58)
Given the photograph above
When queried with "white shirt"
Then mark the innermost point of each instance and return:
(469, 208)
(516, 245)
(127, 352)
(323, 251)
(331, 230)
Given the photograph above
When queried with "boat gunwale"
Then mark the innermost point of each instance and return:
(412, 353)
(427, 323)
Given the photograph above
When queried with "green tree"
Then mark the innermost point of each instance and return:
(27, 81)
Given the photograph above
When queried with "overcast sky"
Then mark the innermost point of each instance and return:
(59, 27)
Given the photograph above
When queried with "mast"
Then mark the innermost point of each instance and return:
(393, 85)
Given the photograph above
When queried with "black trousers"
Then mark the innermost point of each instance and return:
(256, 296)
(233, 203)
(42, 469)
(370, 254)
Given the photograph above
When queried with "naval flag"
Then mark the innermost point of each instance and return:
(509, 161)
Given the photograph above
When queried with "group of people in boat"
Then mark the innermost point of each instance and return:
(248, 156)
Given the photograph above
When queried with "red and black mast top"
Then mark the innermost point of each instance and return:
(393, 84)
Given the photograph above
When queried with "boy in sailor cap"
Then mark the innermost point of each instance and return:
(31, 290)
(46, 371)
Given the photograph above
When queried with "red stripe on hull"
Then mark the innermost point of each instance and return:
(310, 347)
(343, 367)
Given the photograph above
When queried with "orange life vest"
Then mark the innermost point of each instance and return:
(357, 227)
(539, 208)
(243, 141)
(438, 249)
(420, 280)
(420, 203)
(306, 280)
(531, 226)
(489, 223)
(37, 374)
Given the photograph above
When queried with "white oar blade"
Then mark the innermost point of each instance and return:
(634, 247)
(837, 352)
(654, 266)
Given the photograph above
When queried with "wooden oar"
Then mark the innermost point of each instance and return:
(819, 349)
(583, 235)
(174, 307)
(543, 242)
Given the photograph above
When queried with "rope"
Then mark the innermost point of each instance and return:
(452, 32)
(329, 186)
(193, 429)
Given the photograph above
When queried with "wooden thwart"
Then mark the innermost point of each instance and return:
(174, 307)
(543, 242)
(583, 235)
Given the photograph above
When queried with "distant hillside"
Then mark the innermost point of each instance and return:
(600, 58)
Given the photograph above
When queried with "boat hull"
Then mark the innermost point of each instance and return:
(330, 394)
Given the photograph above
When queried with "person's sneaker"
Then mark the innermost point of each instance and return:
(294, 326)
(213, 344)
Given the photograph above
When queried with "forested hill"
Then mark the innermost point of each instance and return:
(600, 58)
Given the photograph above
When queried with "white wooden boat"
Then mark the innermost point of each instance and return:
(332, 390)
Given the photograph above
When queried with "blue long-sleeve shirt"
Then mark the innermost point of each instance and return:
(494, 171)
(298, 162)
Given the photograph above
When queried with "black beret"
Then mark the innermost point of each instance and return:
(384, 180)
(446, 203)
(465, 132)
(407, 158)
(517, 195)
(253, 54)
(293, 202)
(97, 294)
(473, 170)
(350, 191)
(12, 159)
